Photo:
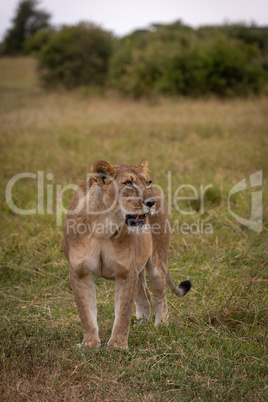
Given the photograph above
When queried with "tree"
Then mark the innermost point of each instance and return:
(76, 55)
(27, 21)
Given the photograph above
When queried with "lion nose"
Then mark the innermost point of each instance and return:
(149, 203)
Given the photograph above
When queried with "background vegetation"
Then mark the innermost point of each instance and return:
(215, 345)
(28, 20)
(75, 56)
(173, 59)
(178, 60)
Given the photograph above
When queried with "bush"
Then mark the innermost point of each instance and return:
(36, 42)
(177, 60)
(222, 66)
(136, 72)
(141, 60)
(75, 56)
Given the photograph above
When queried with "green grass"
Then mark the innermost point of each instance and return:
(214, 347)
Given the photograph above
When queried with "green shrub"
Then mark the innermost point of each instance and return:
(222, 66)
(36, 42)
(177, 60)
(141, 60)
(136, 72)
(75, 56)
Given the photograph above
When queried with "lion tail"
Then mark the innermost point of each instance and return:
(180, 290)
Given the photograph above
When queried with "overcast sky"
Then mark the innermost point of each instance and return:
(121, 16)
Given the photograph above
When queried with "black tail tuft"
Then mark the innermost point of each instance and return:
(185, 286)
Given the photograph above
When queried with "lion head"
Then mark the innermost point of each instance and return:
(126, 189)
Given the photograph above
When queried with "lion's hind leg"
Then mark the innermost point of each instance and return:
(157, 282)
(142, 301)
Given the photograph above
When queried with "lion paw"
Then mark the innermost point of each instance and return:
(94, 344)
(117, 344)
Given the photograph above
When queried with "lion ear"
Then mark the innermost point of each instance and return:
(144, 166)
(101, 171)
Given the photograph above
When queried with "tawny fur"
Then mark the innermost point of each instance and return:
(116, 252)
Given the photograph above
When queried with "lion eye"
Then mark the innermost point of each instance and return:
(149, 183)
(128, 183)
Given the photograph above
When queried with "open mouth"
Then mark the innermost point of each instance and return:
(136, 220)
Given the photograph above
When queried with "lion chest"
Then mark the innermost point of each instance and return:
(108, 258)
(118, 258)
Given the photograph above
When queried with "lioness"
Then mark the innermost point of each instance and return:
(116, 226)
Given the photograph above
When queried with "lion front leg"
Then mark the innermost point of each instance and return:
(85, 297)
(125, 292)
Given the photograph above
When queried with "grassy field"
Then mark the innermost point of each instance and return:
(214, 346)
